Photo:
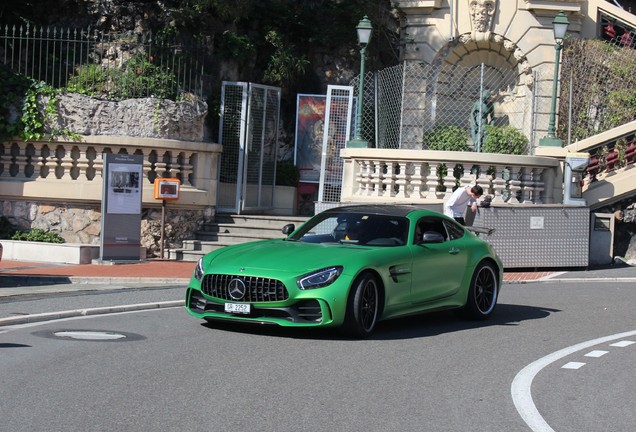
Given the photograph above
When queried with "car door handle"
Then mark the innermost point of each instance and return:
(453, 251)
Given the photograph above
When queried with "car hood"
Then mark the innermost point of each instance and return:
(284, 256)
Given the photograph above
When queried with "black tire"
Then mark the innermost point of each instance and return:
(482, 293)
(363, 307)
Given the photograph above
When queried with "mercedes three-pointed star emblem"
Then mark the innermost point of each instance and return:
(236, 289)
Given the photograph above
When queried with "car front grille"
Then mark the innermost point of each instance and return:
(304, 312)
(257, 289)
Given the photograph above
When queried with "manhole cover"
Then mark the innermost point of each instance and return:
(89, 335)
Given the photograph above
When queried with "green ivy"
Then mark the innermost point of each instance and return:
(447, 138)
(12, 92)
(38, 235)
(21, 110)
(504, 140)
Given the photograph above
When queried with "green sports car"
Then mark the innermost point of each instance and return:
(350, 267)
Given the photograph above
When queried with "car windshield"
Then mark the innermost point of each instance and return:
(354, 228)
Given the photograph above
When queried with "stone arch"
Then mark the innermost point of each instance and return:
(458, 78)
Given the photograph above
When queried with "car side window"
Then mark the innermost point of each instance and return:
(454, 230)
(429, 224)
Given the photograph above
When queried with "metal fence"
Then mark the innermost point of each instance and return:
(108, 65)
(248, 131)
(338, 124)
(598, 86)
(405, 104)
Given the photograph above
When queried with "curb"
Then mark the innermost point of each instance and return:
(15, 281)
(49, 316)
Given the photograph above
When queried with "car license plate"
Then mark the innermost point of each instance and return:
(237, 308)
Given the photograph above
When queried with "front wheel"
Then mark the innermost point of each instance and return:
(482, 293)
(363, 307)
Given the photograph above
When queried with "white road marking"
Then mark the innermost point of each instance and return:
(521, 385)
(596, 353)
(623, 344)
(573, 365)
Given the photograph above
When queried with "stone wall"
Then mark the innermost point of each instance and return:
(625, 233)
(82, 223)
(144, 117)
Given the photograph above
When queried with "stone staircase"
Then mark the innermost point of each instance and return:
(611, 187)
(230, 229)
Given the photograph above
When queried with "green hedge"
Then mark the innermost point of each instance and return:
(446, 138)
(504, 140)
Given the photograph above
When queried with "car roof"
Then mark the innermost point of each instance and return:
(381, 209)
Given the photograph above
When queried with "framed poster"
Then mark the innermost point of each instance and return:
(310, 123)
(124, 191)
(121, 207)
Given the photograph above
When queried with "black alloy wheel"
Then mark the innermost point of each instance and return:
(483, 292)
(363, 307)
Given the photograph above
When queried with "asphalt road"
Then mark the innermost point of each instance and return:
(556, 356)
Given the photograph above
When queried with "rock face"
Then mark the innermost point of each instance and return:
(146, 117)
(625, 233)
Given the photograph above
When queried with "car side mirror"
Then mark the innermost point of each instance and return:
(432, 237)
(288, 229)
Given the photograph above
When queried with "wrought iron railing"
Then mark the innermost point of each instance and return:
(109, 65)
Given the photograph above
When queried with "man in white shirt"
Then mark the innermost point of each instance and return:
(459, 200)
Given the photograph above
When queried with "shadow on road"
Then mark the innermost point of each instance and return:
(13, 345)
(448, 322)
(417, 326)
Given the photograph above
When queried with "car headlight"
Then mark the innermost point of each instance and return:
(198, 270)
(320, 278)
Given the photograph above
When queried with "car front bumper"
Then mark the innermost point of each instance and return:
(295, 312)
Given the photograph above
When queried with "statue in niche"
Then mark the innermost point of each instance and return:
(481, 15)
(481, 115)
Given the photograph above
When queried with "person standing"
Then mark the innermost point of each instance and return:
(459, 200)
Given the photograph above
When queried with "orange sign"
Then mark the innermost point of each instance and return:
(167, 188)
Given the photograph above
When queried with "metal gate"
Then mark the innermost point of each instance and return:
(338, 124)
(248, 131)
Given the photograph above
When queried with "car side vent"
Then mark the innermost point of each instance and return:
(309, 311)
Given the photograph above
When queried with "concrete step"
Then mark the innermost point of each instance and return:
(225, 228)
(229, 230)
(261, 221)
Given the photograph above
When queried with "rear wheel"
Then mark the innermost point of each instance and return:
(363, 306)
(482, 293)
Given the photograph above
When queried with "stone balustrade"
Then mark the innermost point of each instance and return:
(428, 177)
(72, 171)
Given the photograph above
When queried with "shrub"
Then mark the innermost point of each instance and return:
(504, 140)
(7, 229)
(287, 174)
(139, 77)
(447, 138)
(38, 235)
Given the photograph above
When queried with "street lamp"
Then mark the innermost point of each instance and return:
(364, 30)
(560, 27)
